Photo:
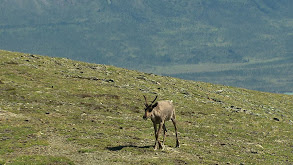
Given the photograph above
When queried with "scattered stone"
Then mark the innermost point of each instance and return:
(109, 80)
(214, 100)
(141, 78)
(185, 92)
(87, 78)
(11, 62)
(260, 146)
(33, 56)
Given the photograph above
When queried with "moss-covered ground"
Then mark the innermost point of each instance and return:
(59, 111)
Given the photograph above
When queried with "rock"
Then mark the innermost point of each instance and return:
(109, 80)
(215, 100)
(185, 92)
(260, 146)
(33, 56)
(141, 78)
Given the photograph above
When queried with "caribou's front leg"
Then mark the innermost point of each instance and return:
(174, 123)
(158, 133)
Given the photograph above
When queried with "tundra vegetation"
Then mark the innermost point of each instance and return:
(59, 111)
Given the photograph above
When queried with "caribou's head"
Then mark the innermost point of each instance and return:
(149, 108)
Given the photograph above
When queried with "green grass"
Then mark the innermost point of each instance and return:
(59, 111)
(15, 137)
(38, 160)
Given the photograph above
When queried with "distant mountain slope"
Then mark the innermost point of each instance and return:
(145, 34)
(59, 111)
(265, 75)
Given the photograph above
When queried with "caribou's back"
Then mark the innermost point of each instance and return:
(165, 109)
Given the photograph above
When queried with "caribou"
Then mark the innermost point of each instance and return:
(159, 112)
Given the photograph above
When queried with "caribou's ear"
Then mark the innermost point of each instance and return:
(156, 104)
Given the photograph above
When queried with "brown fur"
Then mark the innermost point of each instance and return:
(160, 112)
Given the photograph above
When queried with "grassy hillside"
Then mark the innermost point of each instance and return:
(150, 34)
(59, 111)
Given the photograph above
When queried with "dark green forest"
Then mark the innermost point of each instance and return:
(244, 43)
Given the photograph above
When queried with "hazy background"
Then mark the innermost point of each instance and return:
(243, 43)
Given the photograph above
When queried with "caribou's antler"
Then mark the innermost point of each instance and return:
(146, 102)
(155, 99)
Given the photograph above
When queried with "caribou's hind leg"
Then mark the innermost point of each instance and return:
(155, 128)
(165, 130)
